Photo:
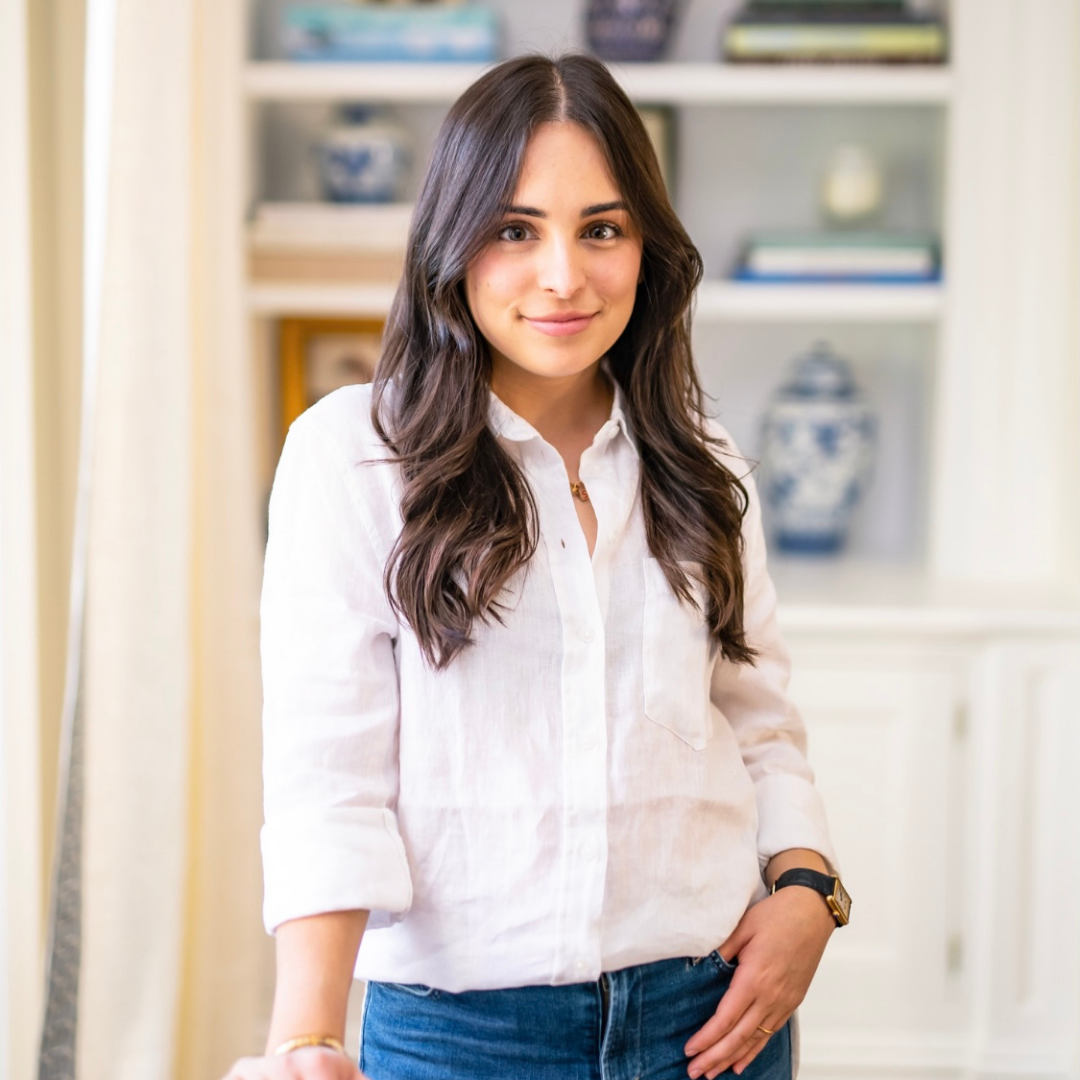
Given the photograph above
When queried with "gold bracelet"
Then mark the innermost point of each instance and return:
(311, 1040)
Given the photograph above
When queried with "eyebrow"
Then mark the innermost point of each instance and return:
(598, 208)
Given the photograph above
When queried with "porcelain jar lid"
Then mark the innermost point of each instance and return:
(821, 373)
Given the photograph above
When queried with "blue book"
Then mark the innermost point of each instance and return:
(837, 279)
(840, 255)
(400, 32)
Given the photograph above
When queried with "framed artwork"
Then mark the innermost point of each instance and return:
(659, 121)
(318, 355)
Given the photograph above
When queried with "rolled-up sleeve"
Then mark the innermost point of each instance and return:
(767, 725)
(330, 840)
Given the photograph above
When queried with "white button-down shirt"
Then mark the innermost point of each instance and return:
(586, 787)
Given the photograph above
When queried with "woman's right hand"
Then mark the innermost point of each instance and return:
(308, 1063)
(315, 959)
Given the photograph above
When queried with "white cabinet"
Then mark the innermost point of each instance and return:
(885, 752)
(948, 767)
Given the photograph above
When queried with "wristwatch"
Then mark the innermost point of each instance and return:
(836, 896)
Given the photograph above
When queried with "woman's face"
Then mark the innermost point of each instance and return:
(554, 289)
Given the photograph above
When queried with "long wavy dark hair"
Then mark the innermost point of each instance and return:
(469, 519)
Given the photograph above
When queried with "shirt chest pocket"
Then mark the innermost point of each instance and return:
(677, 660)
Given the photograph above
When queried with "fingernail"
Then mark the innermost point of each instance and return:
(690, 1050)
(694, 1074)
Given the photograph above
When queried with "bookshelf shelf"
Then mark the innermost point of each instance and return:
(718, 301)
(306, 299)
(673, 83)
(854, 596)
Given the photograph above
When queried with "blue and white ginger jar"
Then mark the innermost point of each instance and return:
(818, 442)
(364, 158)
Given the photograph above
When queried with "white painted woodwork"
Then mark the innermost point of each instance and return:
(724, 301)
(882, 723)
(679, 83)
(1008, 459)
(717, 301)
(273, 299)
(949, 769)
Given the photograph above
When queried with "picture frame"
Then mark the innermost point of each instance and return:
(659, 121)
(319, 355)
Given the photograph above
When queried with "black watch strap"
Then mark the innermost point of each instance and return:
(835, 894)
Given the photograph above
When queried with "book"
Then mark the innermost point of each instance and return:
(374, 227)
(400, 32)
(833, 31)
(331, 242)
(330, 267)
(839, 256)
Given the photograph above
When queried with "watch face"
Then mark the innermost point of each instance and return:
(841, 903)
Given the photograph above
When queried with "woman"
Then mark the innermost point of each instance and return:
(527, 744)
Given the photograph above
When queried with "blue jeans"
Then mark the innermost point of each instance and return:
(628, 1025)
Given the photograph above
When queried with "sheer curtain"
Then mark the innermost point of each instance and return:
(20, 870)
(171, 957)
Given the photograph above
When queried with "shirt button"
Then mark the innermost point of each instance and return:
(580, 967)
(589, 851)
(587, 634)
(588, 742)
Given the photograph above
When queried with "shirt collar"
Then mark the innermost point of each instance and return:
(509, 425)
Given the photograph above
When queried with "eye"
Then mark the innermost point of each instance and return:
(515, 232)
(602, 230)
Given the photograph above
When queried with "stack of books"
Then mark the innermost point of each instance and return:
(833, 31)
(328, 242)
(423, 32)
(872, 257)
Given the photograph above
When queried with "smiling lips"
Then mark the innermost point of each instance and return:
(562, 323)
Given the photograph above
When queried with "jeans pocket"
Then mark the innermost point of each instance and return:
(725, 967)
(414, 989)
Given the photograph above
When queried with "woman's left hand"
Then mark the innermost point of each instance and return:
(778, 944)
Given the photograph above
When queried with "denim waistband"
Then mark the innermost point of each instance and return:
(627, 1025)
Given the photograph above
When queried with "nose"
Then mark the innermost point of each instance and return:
(561, 267)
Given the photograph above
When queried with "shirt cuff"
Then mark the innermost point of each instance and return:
(791, 814)
(348, 859)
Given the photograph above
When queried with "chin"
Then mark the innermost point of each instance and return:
(560, 368)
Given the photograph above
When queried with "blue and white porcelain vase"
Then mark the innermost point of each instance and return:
(365, 157)
(818, 441)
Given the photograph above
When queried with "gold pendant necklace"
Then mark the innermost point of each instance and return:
(578, 491)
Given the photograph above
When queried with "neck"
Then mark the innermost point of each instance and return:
(557, 407)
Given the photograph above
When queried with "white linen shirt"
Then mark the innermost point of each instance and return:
(586, 787)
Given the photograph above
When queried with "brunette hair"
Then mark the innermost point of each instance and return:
(469, 519)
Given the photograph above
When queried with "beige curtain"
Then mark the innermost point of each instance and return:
(174, 959)
(20, 855)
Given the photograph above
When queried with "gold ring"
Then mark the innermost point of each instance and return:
(766, 1030)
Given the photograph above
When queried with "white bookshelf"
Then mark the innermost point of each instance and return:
(718, 302)
(724, 187)
(724, 301)
(848, 596)
(721, 188)
(276, 300)
(939, 684)
(672, 83)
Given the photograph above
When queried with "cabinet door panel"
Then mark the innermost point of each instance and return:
(884, 747)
